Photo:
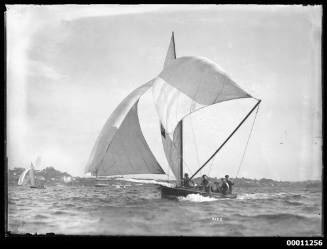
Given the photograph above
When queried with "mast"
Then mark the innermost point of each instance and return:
(237, 127)
(181, 149)
(174, 148)
(180, 126)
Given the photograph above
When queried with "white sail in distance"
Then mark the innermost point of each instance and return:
(188, 84)
(120, 148)
(22, 178)
(27, 177)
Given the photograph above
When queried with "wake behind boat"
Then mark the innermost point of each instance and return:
(173, 193)
(185, 85)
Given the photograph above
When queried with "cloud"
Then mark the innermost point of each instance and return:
(41, 69)
(71, 12)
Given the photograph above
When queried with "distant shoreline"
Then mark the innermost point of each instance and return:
(50, 175)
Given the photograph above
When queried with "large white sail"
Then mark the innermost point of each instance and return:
(185, 85)
(172, 147)
(120, 148)
(188, 84)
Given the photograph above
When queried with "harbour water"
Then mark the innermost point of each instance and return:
(136, 208)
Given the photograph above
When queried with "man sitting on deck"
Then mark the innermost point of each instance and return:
(230, 183)
(215, 186)
(224, 186)
(187, 182)
(205, 184)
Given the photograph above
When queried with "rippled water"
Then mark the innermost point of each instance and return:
(133, 208)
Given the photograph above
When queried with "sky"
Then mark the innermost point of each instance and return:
(69, 66)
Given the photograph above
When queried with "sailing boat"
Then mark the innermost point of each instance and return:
(185, 85)
(28, 178)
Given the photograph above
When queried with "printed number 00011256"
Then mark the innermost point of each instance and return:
(304, 242)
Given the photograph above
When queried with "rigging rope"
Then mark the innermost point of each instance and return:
(172, 150)
(210, 167)
(182, 158)
(247, 143)
(179, 156)
(192, 107)
(195, 141)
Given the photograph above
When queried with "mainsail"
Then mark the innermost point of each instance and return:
(121, 149)
(188, 84)
(173, 146)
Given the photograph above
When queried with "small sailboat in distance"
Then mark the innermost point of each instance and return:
(22, 178)
(184, 86)
(28, 178)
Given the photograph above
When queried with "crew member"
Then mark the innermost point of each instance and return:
(187, 182)
(230, 183)
(224, 186)
(215, 186)
(205, 184)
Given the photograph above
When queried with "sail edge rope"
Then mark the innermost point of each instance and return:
(247, 142)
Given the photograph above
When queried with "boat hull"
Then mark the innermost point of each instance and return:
(173, 193)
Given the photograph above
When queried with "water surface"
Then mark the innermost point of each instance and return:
(134, 208)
